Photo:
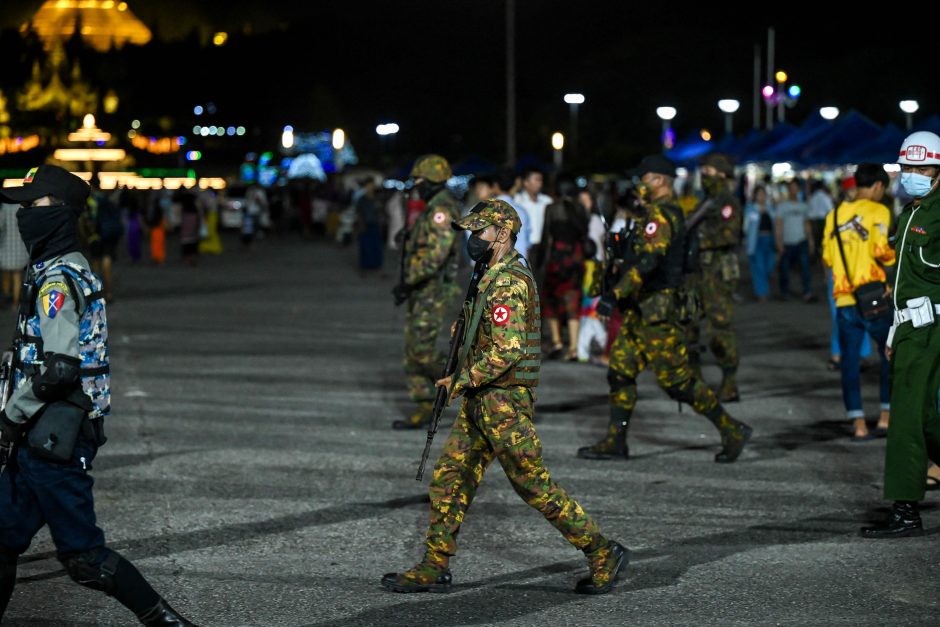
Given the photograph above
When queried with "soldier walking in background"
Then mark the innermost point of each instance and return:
(428, 283)
(716, 224)
(653, 262)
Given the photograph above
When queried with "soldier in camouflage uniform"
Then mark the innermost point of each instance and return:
(651, 334)
(495, 420)
(717, 225)
(428, 283)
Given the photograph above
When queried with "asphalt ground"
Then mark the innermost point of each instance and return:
(252, 476)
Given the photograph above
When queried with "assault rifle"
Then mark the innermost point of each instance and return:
(452, 365)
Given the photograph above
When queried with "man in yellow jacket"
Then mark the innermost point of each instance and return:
(861, 226)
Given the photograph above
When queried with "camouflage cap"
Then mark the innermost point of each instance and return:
(434, 168)
(496, 212)
(722, 163)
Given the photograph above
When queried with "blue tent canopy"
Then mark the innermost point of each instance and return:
(791, 146)
(689, 149)
(882, 149)
(759, 141)
(931, 124)
(474, 164)
(851, 130)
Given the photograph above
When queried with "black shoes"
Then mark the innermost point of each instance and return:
(162, 615)
(606, 565)
(418, 580)
(903, 521)
(613, 445)
(418, 420)
(734, 436)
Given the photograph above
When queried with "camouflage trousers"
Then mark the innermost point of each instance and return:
(497, 423)
(660, 346)
(423, 360)
(715, 286)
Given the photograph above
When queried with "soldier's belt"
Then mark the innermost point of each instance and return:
(919, 312)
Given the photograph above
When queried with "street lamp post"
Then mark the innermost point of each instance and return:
(729, 106)
(909, 107)
(666, 114)
(558, 144)
(573, 101)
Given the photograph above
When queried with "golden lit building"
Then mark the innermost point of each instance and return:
(103, 24)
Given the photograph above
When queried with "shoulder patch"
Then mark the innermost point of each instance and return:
(52, 302)
(53, 286)
(651, 229)
(501, 315)
(727, 211)
(439, 217)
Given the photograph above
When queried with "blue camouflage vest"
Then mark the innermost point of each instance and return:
(92, 337)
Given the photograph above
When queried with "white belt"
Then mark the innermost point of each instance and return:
(904, 315)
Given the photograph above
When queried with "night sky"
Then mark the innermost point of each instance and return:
(437, 68)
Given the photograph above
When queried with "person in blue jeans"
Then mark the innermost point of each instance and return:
(759, 235)
(835, 351)
(856, 249)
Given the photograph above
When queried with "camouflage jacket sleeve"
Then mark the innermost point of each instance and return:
(650, 244)
(722, 226)
(501, 336)
(431, 241)
(58, 327)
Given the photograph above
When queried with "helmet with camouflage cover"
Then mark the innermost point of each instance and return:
(434, 168)
(722, 163)
(496, 212)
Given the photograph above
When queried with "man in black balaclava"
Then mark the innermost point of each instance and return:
(52, 422)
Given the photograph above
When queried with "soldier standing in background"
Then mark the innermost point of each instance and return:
(647, 292)
(428, 283)
(495, 420)
(717, 225)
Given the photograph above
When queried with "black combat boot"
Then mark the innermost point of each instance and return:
(611, 446)
(734, 435)
(606, 565)
(728, 391)
(417, 420)
(162, 615)
(904, 521)
(422, 578)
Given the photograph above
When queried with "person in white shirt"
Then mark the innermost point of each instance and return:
(533, 202)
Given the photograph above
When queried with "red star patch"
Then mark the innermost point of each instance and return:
(501, 315)
(727, 211)
(440, 217)
(651, 229)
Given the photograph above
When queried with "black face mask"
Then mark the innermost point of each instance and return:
(48, 231)
(428, 190)
(478, 248)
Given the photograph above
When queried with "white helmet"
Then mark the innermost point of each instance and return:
(920, 148)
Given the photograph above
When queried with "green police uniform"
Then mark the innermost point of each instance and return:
(497, 381)
(914, 430)
(719, 234)
(651, 336)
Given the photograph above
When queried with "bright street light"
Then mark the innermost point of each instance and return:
(829, 113)
(287, 137)
(386, 129)
(666, 113)
(558, 143)
(339, 139)
(574, 98)
(729, 106)
(909, 107)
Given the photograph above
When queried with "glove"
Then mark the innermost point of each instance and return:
(401, 292)
(606, 305)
